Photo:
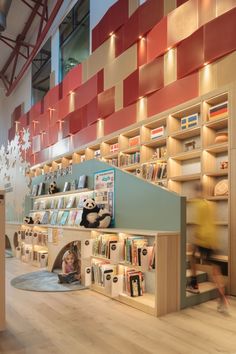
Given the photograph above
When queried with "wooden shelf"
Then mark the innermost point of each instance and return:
(155, 142)
(218, 223)
(144, 303)
(54, 209)
(59, 194)
(131, 149)
(186, 133)
(217, 148)
(111, 156)
(186, 178)
(216, 257)
(187, 155)
(101, 258)
(218, 198)
(217, 124)
(130, 167)
(217, 173)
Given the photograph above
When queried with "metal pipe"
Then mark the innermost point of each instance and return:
(4, 8)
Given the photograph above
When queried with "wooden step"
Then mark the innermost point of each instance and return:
(208, 291)
(201, 276)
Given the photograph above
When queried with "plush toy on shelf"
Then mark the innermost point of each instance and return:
(53, 188)
(93, 216)
(28, 220)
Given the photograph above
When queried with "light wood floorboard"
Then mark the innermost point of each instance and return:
(85, 322)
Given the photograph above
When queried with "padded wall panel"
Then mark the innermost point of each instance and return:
(119, 94)
(53, 134)
(102, 56)
(77, 120)
(72, 80)
(85, 136)
(51, 98)
(169, 5)
(142, 51)
(88, 90)
(106, 103)
(182, 22)
(92, 111)
(131, 88)
(157, 40)
(170, 66)
(119, 42)
(206, 11)
(121, 67)
(190, 53)
(23, 121)
(65, 129)
(114, 18)
(172, 95)
(151, 12)
(180, 2)
(131, 30)
(151, 76)
(120, 119)
(17, 113)
(224, 6)
(35, 111)
(220, 36)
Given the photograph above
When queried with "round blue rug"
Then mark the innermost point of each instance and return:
(43, 281)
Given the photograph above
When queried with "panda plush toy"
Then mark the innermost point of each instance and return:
(53, 188)
(93, 217)
(28, 220)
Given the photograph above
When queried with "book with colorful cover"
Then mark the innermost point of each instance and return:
(45, 218)
(66, 187)
(82, 182)
(64, 217)
(61, 203)
(41, 188)
(78, 217)
(54, 216)
(72, 217)
(70, 202)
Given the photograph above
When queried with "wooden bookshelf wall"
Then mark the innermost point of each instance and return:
(184, 168)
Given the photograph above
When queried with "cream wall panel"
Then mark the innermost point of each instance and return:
(169, 5)
(100, 57)
(119, 96)
(84, 71)
(170, 66)
(133, 5)
(207, 11)
(226, 72)
(223, 6)
(142, 109)
(207, 78)
(121, 67)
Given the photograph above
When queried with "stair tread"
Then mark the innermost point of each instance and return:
(189, 272)
(203, 288)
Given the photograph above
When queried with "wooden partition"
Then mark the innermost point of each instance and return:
(2, 261)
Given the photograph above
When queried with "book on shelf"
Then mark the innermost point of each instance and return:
(114, 148)
(64, 217)
(53, 204)
(78, 217)
(154, 171)
(157, 132)
(129, 159)
(34, 191)
(45, 217)
(134, 141)
(113, 162)
(73, 185)
(160, 153)
(102, 244)
(66, 187)
(36, 205)
(72, 217)
(82, 182)
(97, 154)
(100, 269)
(218, 111)
(61, 203)
(70, 202)
(41, 189)
(42, 205)
(54, 216)
(134, 282)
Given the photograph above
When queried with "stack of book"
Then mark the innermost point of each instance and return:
(113, 162)
(100, 270)
(134, 284)
(102, 245)
(154, 171)
(129, 159)
(133, 245)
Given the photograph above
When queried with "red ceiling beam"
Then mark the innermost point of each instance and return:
(31, 7)
(37, 44)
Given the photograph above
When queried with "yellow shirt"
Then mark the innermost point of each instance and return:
(206, 232)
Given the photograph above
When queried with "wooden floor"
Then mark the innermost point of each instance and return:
(85, 322)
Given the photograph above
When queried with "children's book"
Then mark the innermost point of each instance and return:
(82, 182)
(60, 204)
(70, 202)
(66, 187)
(78, 217)
(54, 218)
(72, 217)
(45, 218)
(34, 191)
(41, 189)
(64, 217)
(73, 185)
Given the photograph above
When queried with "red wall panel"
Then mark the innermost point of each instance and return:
(142, 51)
(92, 111)
(72, 80)
(151, 76)
(106, 103)
(190, 53)
(18, 111)
(131, 88)
(53, 134)
(51, 98)
(151, 12)
(90, 89)
(119, 41)
(11, 133)
(44, 122)
(35, 111)
(23, 121)
(45, 141)
(131, 30)
(120, 119)
(180, 2)
(113, 19)
(65, 129)
(172, 95)
(220, 37)
(157, 40)
(85, 136)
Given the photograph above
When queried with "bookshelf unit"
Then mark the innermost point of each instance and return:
(192, 154)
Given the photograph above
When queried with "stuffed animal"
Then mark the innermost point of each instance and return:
(28, 220)
(53, 188)
(93, 217)
(90, 213)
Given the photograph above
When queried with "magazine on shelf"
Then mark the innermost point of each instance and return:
(36, 205)
(66, 187)
(73, 185)
(34, 191)
(61, 203)
(70, 202)
(64, 217)
(41, 189)
(54, 217)
(45, 217)
(78, 217)
(72, 217)
(82, 182)
(53, 204)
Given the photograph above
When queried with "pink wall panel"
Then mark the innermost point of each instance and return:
(142, 51)
(35, 111)
(51, 98)
(131, 88)
(172, 95)
(92, 111)
(190, 53)
(53, 134)
(90, 89)
(120, 119)
(151, 76)
(45, 141)
(131, 29)
(157, 40)
(85, 136)
(114, 18)
(106, 103)
(23, 121)
(65, 129)
(220, 37)
(72, 80)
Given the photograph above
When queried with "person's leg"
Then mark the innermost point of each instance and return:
(219, 282)
(193, 286)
